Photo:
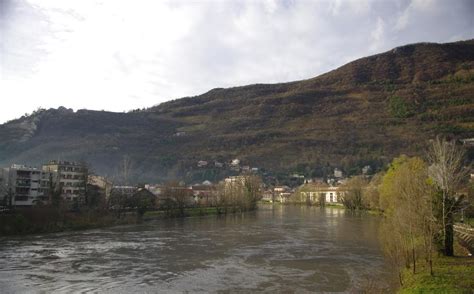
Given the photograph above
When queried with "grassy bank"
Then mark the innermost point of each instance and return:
(451, 275)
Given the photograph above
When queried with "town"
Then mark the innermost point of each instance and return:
(74, 184)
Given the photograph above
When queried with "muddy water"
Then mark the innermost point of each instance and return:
(275, 249)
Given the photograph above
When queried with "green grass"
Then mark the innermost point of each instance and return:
(451, 275)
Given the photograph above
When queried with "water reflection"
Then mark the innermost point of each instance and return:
(278, 248)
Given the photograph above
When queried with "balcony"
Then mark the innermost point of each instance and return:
(21, 198)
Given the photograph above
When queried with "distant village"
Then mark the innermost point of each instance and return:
(25, 186)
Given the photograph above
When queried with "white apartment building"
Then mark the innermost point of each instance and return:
(24, 186)
(71, 176)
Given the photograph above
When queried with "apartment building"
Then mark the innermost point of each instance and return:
(24, 186)
(71, 176)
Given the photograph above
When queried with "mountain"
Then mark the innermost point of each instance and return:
(365, 112)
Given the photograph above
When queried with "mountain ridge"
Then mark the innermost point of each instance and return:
(364, 112)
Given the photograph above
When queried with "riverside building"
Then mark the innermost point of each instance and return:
(70, 176)
(24, 186)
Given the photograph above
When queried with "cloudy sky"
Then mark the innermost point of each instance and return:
(120, 55)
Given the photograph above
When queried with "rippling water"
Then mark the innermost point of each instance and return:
(276, 249)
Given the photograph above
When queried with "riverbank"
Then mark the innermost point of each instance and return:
(41, 221)
(328, 205)
(188, 212)
(451, 275)
(45, 220)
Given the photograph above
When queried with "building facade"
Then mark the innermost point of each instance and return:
(24, 186)
(319, 193)
(71, 177)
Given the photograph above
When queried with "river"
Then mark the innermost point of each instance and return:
(281, 249)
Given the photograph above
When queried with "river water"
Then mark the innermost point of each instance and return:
(282, 249)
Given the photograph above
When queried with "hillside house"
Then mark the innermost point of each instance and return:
(202, 163)
(235, 162)
(338, 173)
(366, 170)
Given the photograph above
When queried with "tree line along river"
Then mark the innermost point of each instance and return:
(274, 249)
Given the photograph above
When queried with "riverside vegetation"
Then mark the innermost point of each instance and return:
(97, 211)
(419, 205)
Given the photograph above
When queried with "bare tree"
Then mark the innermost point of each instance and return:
(252, 191)
(125, 169)
(118, 202)
(177, 197)
(446, 170)
(241, 194)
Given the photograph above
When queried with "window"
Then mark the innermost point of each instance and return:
(20, 190)
(22, 183)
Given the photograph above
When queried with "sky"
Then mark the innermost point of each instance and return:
(121, 55)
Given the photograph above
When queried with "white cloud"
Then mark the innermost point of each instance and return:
(414, 9)
(120, 55)
(377, 35)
